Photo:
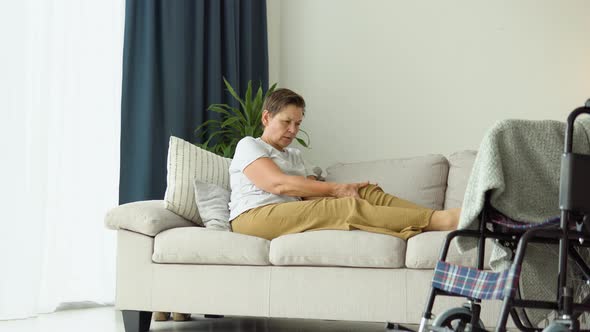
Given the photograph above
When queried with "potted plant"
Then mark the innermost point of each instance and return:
(237, 122)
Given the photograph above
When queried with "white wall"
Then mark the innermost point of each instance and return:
(386, 78)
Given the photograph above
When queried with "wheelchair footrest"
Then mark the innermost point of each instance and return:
(475, 283)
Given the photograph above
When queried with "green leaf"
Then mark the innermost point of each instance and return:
(219, 105)
(302, 142)
(234, 141)
(257, 106)
(204, 125)
(227, 151)
(219, 109)
(233, 93)
(217, 133)
(238, 113)
(248, 102)
(270, 90)
(249, 131)
(307, 137)
(236, 128)
(229, 121)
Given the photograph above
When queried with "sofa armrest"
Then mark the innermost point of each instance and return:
(145, 217)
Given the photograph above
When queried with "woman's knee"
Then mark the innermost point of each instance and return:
(368, 189)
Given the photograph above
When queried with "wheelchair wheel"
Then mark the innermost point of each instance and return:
(556, 327)
(456, 319)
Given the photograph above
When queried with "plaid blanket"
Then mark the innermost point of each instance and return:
(474, 283)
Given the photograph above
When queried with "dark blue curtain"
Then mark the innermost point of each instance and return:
(176, 54)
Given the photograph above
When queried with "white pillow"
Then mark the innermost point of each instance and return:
(187, 162)
(212, 202)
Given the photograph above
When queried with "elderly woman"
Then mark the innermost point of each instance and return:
(272, 193)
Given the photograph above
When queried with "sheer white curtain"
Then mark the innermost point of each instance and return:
(60, 92)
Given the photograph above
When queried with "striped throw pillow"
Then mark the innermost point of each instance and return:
(187, 162)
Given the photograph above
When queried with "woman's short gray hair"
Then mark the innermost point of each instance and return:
(281, 98)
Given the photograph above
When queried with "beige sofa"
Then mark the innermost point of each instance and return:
(166, 263)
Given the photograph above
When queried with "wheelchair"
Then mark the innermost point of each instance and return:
(570, 231)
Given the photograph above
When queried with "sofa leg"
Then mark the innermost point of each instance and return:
(213, 316)
(136, 321)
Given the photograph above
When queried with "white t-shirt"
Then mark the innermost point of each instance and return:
(244, 194)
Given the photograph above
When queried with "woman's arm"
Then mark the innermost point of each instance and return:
(266, 175)
(311, 198)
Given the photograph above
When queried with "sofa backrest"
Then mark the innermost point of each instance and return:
(422, 180)
(432, 180)
(460, 165)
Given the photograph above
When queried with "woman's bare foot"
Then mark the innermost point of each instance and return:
(444, 220)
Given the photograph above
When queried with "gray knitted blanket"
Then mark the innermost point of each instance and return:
(519, 162)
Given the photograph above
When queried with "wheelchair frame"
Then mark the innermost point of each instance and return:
(574, 195)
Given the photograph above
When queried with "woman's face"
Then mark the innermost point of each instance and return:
(282, 128)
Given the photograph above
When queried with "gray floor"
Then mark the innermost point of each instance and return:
(107, 319)
(242, 324)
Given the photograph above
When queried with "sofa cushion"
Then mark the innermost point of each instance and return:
(421, 180)
(145, 217)
(460, 165)
(338, 248)
(187, 162)
(198, 245)
(423, 251)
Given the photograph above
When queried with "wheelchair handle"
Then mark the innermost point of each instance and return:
(569, 135)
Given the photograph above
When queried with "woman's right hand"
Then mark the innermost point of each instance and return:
(348, 189)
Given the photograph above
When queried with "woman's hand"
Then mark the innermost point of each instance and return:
(348, 189)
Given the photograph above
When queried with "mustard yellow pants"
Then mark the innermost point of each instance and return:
(375, 211)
